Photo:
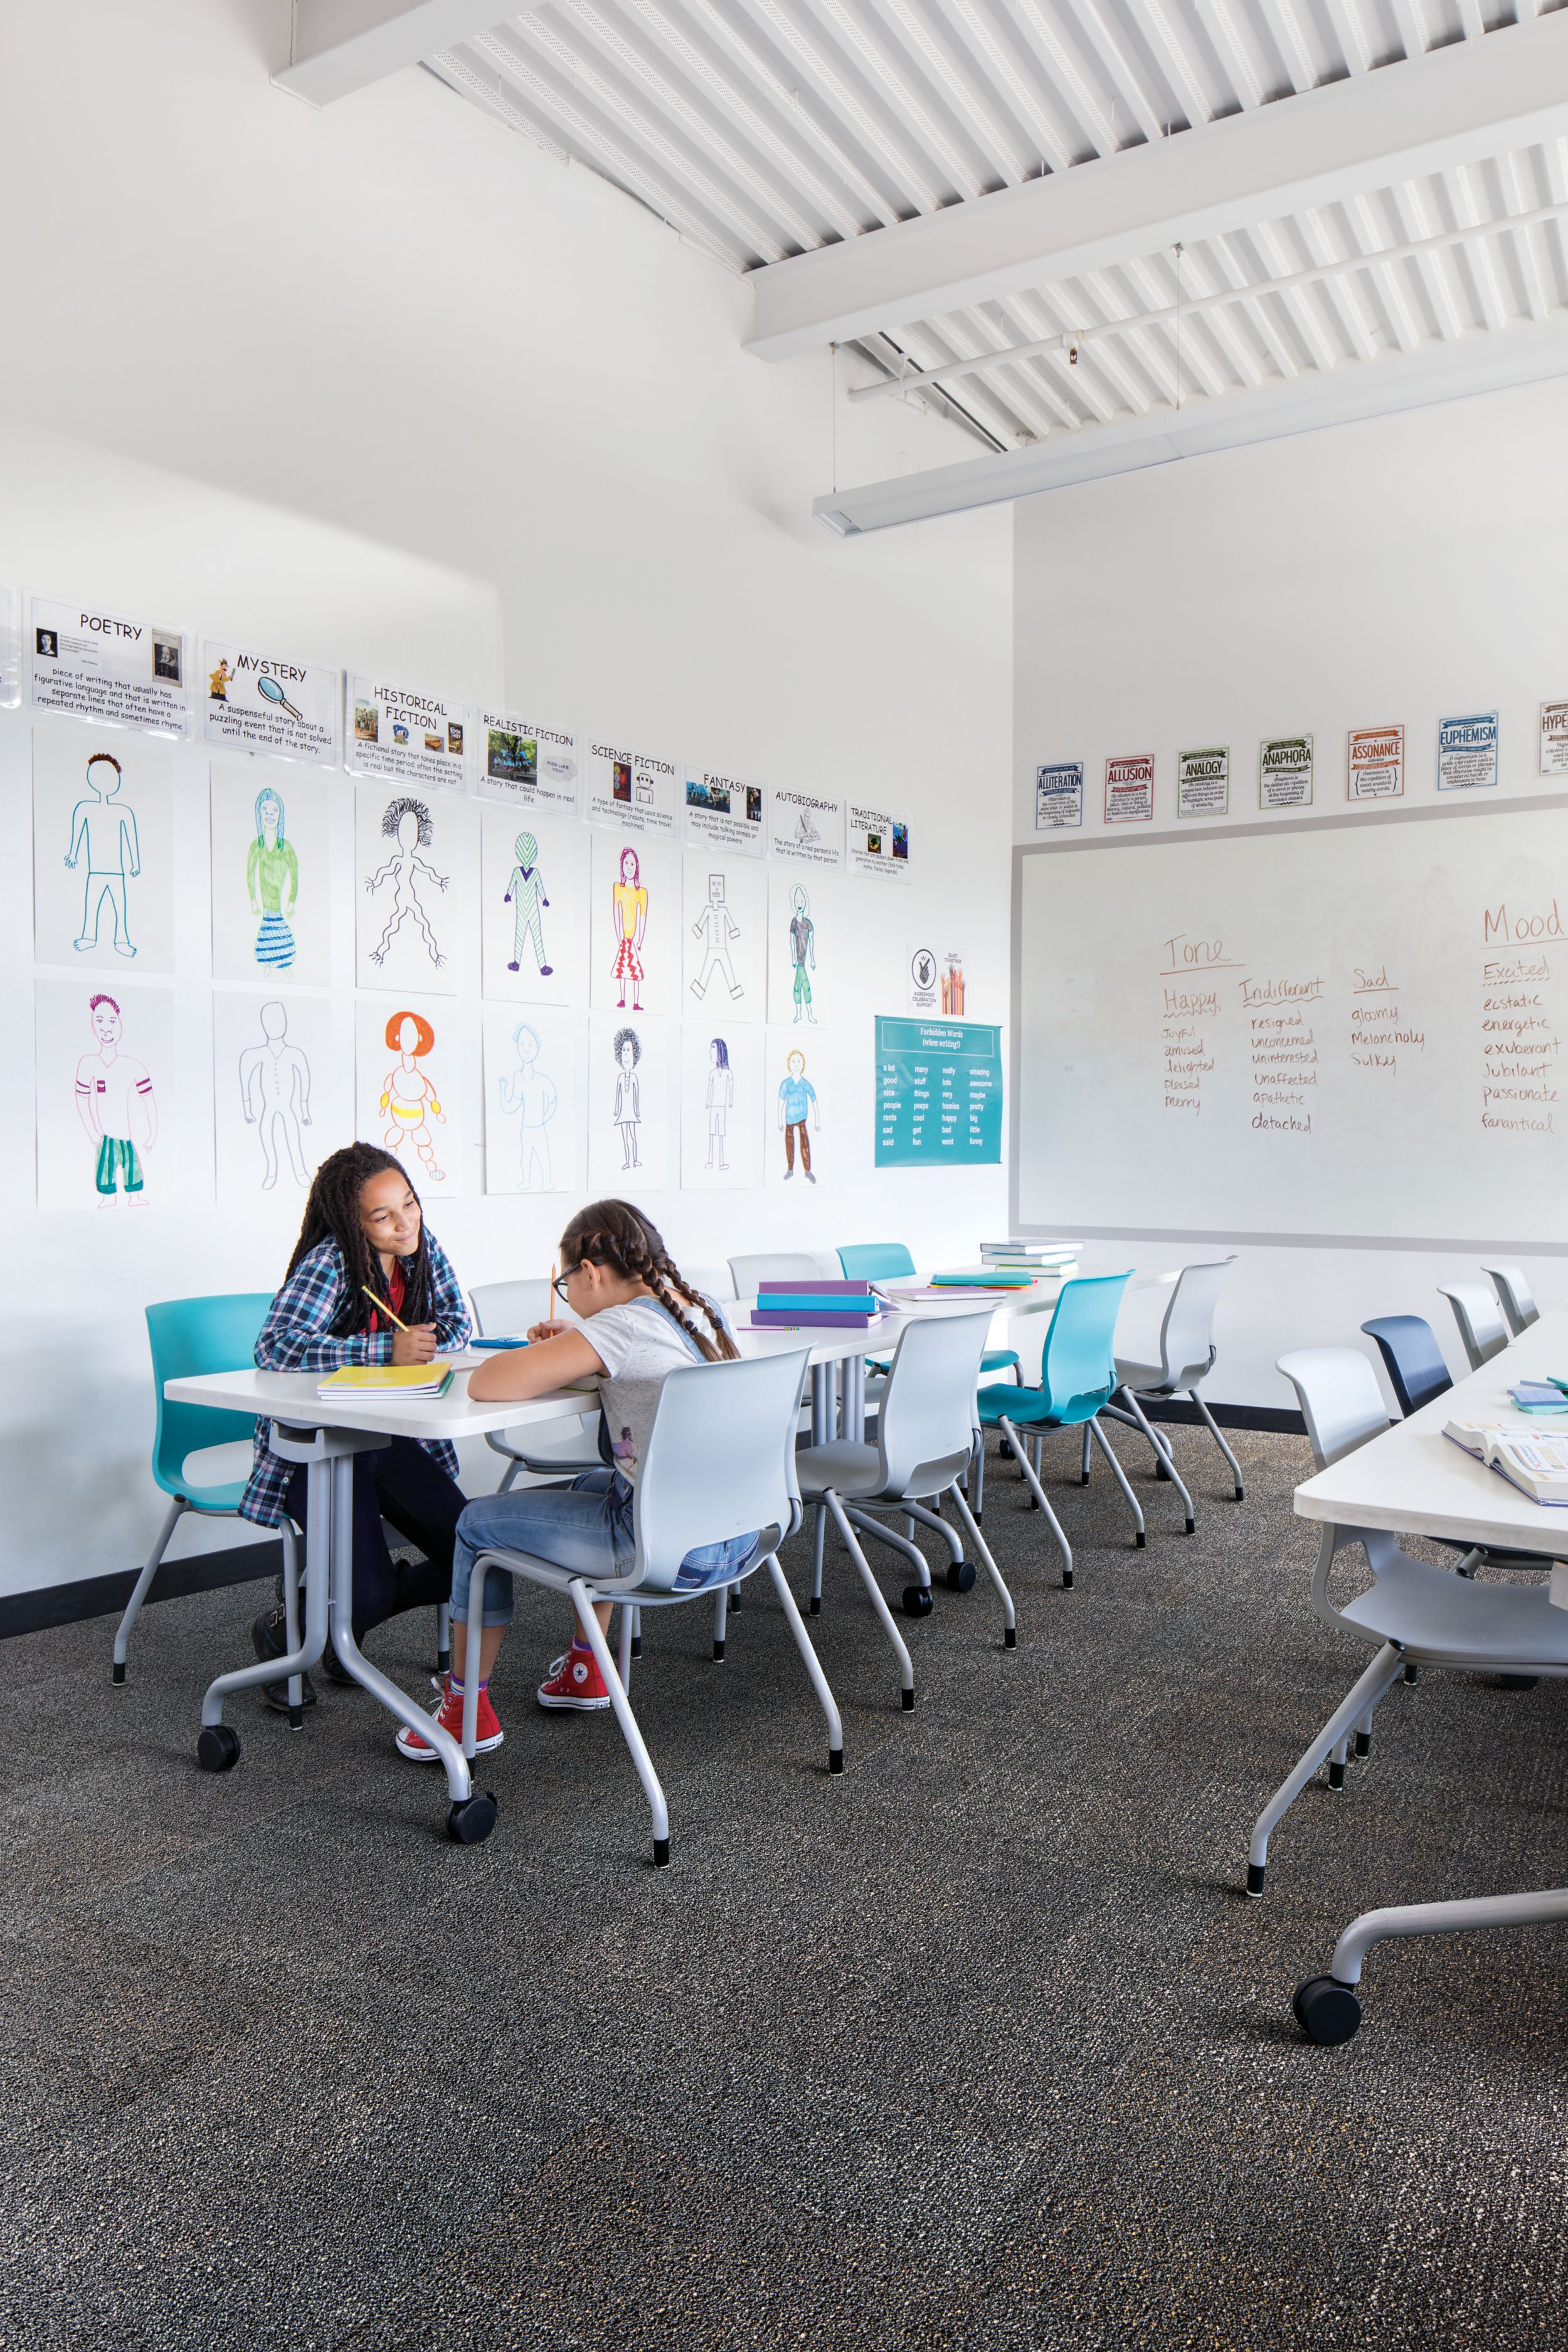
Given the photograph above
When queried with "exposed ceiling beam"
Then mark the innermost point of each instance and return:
(340, 46)
(1451, 106)
(1273, 411)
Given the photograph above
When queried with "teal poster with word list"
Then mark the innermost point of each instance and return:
(939, 1094)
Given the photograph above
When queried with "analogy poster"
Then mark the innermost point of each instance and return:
(1285, 771)
(878, 844)
(103, 853)
(634, 932)
(1374, 763)
(116, 669)
(113, 1123)
(271, 874)
(405, 736)
(804, 931)
(722, 937)
(719, 1105)
(1467, 751)
(1554, 738)
(722, 813)
(1130, 789)
(635, 792)
(806, 829)
(532, 766)
(256, 702)
(416, 873)
(1058, 795)
(631, 1089)
(279, 1106)
(534, 890)
(414, 1071)
(934, 979)
(535, 1069)
(1203, 782)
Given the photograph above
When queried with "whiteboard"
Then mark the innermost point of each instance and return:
(1343, 1031)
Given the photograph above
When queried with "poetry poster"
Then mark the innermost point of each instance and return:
(278, 1102)
(103, 853)
(631, 1089)
(722, 813)
(1285, 771)
(806, 829)
(722, 937)
(719, 1105)
(271, 877)
(878, 844)
(1374, 763)
(416, 874)
(256, 701)
(112, 668)
(535, 1069)
(1467, 751)
(415, 1087)
(634, 934)
(528, 765)
(804, 931)
(1058, 795)
(635, 792)
(1203, 782)
(406, 736)
(113, 1122)
(1130, 789)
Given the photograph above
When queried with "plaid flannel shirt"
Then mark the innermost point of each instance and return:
(298, 1337)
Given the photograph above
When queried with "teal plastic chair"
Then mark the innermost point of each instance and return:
(189, 1336)
(891, 1262)
(1078, 1380)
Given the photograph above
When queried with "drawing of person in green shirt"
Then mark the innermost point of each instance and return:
(272, 878)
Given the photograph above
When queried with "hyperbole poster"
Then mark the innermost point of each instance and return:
(635, 792)
(719, 1105)
(417, 866)
(1203, 782)
(631, 1090)
(271, 877)
(721, 936)
(878, 844)
(116, 669)
(1058, 795)
(102, 852)
(806, 829)
(405, 736)
(635, 932)
(273, 703)
(535, 1087)
(1285, 771)
(1468, 752)
(534, 888)
(416, 1070)
(724, 813)
(531, 766)
(1130, 789)
(1554, 738)
(280, 1102)
(1374, 763)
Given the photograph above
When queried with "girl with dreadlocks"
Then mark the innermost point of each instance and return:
(638, 1320)
(363, 1231)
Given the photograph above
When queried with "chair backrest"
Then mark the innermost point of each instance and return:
(1412, 1358)
(1078, 1360)
(1481, 1331)
(925, 1430)
(773, 1266)
(1512, 1287)
(1340, 1399)
(504, 1311)
(713, 1281)
(874, 1261)
(188, 1337)
(1186, 1335)
(719, 1459)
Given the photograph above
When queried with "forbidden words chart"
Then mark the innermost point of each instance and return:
(1353, 1031)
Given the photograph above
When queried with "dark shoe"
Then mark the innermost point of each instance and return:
(335, 1671)
(270, 1639)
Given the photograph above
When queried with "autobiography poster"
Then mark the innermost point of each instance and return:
(1467, 751)
(533, 767)
(1058, 795)
(1374, 763)
(114, 669)
(1285, 771)
(404, 736)
(806, 829)
(721, 811)
(1130, 789)
(1203, 782)
(256, 702)
(635, 792)
(878, 844)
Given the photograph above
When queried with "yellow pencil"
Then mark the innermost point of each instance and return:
(381, 1306)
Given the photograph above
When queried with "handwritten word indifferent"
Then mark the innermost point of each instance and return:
(1283, 1048)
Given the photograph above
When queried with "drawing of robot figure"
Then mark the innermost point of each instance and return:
(272, 880)
(801, 951)
(797, 1100)
(408, 1100)
(115, 1103)
(108, 825)
(630, 898)
(525, 896)
(528, 1094)
(716, 927)
(407, 824)
(628, 1112)
(275, 1091)
(721, 1101)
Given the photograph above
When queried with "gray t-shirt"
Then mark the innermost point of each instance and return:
(639, 1345)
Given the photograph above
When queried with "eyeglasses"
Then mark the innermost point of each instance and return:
(559, 1282)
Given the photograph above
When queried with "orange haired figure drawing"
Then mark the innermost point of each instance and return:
(408, 1100)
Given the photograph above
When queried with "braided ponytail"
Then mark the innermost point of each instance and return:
(614, 1234)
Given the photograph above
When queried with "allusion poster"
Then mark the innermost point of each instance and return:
(254, 700)
(405, 736)
(1130, 789)
(118, 669)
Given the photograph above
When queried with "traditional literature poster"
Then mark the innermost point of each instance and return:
(934, 979)
(279, 1106)
(114, 1125)
(271, 877)
(805, 929)
(416, 879)
(635, 792)
(631, 1082)
(103, 853)
(534, 890)
(1058, 795)
(113, 669)
(633, 931)
(1374, 763)
(722, 942)
(535, 1069)
(722, 813)
(532, 767)
(1285, 771)
(719, 1103)
(405, 736)
(1203, 782)
(939, 1094)
(416, 1072)
(806, 829)
(878, 844)
(1130, 789)
(1467, 751)
(10, 649)
(256, 702)
(1554, 738)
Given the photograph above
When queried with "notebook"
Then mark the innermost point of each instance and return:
(410, 1381)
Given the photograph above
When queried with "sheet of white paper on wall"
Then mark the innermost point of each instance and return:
(254, 698)
(406, 735)
(534, 887)
(634, 791)
(535, 1074)
(722, 937)
(114, 1125)
(635, 930)
(271, 877)
(934, 979)
(416, 872)
(805, 1114)
(719, 1104)
(10, 648)
(723, 811)
(106, 668)
(279, 1102)
(804, 934)
(102, 852)
(527, 766)
(631, 1090)
(414, 1089)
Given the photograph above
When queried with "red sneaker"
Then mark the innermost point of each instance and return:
(575, 1681)
(449, 1714)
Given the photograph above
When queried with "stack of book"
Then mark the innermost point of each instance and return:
(1038, 1257)
(813, 1304)
(407, 1381)
(1541, 1396)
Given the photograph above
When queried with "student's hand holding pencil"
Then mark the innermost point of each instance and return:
(414, 1345)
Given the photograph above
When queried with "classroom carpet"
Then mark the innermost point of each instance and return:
(977, 2045)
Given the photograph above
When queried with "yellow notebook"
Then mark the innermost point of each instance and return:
(387, 1379)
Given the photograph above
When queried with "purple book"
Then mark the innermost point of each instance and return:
(809, 1319)
(816, 1284)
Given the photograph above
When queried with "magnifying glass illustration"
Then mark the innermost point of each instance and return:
(270, 691)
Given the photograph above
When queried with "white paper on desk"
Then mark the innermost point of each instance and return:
(1557, 1591)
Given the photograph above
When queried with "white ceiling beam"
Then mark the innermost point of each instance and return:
(342, 46)
(1451, 106)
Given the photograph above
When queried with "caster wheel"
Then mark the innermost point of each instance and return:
(960, 1576)
(1326, 2012)
(218, 1749)
(470, 1822)
(916, 1600)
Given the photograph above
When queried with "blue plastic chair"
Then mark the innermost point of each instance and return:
(189, 1336)
(1077, 1379)
(1412, 1358)
(891, 1262)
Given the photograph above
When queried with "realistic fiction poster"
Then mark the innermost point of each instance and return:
(529, 765)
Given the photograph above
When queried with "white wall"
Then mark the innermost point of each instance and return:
(387, 384)
(1401, 570)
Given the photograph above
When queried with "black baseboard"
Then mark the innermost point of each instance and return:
(1276, 1417)
(106, 1596)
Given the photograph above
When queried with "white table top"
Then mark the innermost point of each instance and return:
(1414, 1481)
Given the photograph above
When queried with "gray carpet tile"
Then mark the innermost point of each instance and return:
(978, 2045)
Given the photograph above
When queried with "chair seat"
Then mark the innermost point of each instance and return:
(641, 1596)
(998, 1359)
(217, 1501)
(1430, 1609)
(1032, 1409)
(851, 1470)
(1151, 1380)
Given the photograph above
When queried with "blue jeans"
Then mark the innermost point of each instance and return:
(585, 1528)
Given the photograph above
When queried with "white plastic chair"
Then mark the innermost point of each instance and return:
(719, 1463)
(1512, 1287)
(773, 1266)
(1482, 1334)
(508, 1310)
(925, 1435)
(1187, 1355)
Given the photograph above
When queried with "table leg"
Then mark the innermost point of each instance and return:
(855, 1399)
(217, 1754)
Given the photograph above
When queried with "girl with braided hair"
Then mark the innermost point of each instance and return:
(638, 1319)
(363, 1231)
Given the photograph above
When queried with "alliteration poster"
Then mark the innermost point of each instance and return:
(405, 736)
(533, 767)
(878, 844)
(1374, 763)
(1285, 771)
(1130, 789)
(1203, 782)
(1467, 751)
(635, 792)
(723, 811)
(1554, 738)
(111, 669)
(1058, 795)
(256, 701)
(806, 829)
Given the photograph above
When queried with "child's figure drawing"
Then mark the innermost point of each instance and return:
(801, 951)
(628, 1094)
(272, 878)
(525, 896)
(797, 1100)
(630, 896)
(530, 1095)
(108, 825)
(115, 1103)
(275, 1088)
(407, 824)
(721, 1100)
(408, 1100)
(715, 927)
